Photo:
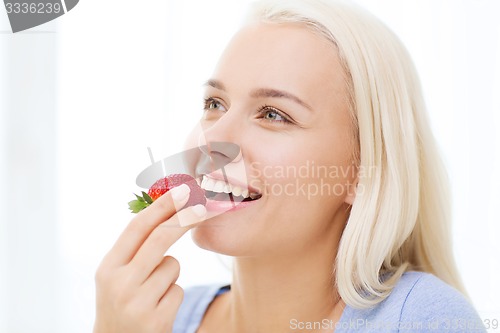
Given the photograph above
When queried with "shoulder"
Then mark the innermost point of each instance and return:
(432, 303)
(194, 305)
(419, 302)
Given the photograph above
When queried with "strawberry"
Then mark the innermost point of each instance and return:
(162, 186)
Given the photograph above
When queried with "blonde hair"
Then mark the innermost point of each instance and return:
(401, 220)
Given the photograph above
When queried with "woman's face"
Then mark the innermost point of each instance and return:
(279, 93)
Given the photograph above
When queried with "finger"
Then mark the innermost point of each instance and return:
(164, 275)
(170, 303)
(144, 223)
(161, 238)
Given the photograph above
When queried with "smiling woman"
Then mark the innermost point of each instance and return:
(320, 84)
(299, 75)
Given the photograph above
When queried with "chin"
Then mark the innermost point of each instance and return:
(212, 239)
(224, 237)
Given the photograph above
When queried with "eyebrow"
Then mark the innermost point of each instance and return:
(263, 92)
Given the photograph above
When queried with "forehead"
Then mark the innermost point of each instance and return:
(285, 56)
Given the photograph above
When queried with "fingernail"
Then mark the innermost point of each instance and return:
(180, 192)
(191, 215)
(199, 210)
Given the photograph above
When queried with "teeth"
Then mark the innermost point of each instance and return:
(219, 186)
(236, 190)
(209, 184)
(254, 195)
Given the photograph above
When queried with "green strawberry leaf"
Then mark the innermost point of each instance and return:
(136, 205)
(141, 199)
(146, 197)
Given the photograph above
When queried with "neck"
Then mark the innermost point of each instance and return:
(271, 293)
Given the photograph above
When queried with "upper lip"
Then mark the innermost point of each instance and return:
(232, 181)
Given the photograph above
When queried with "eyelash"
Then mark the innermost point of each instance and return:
(207, 102)
(267, 108)
(261, 111)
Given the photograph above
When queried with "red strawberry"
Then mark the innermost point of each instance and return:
(163, 185)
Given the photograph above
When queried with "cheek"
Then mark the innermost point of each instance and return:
(307, 168)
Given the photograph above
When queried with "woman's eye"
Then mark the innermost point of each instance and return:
(213, 104)
(272, 115)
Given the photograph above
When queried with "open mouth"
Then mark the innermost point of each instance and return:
(219, 190)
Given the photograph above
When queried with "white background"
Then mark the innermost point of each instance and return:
(82, 98)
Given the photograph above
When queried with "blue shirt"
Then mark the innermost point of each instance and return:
(420, 302)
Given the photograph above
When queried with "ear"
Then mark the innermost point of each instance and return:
(351, 193)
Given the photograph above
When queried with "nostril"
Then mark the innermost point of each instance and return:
(219, 154)
(216, 155)
(228, 149)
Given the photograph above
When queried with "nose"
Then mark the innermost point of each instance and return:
(218, 144)
(216, 155)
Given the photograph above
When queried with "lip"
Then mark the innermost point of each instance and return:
(216, 206)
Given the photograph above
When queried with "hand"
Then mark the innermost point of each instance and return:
(135, 282)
